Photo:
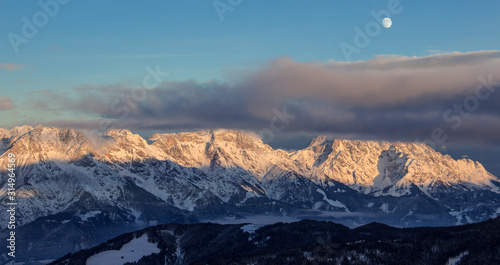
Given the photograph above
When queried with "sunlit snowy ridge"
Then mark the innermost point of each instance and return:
(85, 189)
(189, 169)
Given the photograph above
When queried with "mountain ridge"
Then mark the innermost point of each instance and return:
(74, 181)
(304, 242)
(372, 167)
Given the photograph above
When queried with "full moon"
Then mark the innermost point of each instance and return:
(387, 22)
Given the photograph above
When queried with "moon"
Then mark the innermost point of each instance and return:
(387, 22)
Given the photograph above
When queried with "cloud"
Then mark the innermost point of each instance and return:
(387, 97)
(453, 59)
(6, 103)
(11, 66)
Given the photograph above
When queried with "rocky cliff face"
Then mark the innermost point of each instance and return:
(187, 170)
(67, 177)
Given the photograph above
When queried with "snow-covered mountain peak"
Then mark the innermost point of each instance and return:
(218, 138)
(191, 170)
(363, 165)
(321, 140)
(216, 148)
(44, 143)
(118, 132)
(156, 136)
(124, 137)
(242, 140)
(15, 132)
(19, 130)
(373, 166)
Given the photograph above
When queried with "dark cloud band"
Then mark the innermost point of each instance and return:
(388, 97)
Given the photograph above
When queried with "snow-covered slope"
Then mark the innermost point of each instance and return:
(130, 252)
(193, 170)
(384, 168)
(121, 178)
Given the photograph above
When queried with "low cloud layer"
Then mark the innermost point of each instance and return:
(454, 96)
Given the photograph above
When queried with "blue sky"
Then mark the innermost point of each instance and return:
(103, 42)
(90, 52)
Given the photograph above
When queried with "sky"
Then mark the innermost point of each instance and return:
(287, 69)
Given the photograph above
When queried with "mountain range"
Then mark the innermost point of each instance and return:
(76, 189)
